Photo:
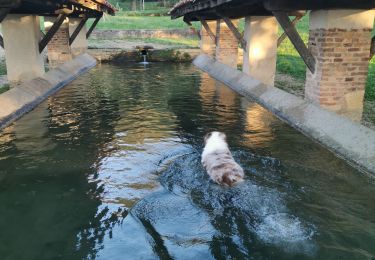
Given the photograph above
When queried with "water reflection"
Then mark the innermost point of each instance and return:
(109, 168)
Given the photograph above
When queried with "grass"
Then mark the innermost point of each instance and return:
(123, 21)
(4, 88)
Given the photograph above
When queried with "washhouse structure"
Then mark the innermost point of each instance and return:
(339, 47)
(25, 41)
(65, 33)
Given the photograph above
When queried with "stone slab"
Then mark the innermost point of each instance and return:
(21, 99)
(351, 141)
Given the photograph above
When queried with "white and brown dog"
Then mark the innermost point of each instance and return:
(218, 160)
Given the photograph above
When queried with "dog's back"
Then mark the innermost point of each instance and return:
(219, 162)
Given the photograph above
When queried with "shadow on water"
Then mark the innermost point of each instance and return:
(109, 168)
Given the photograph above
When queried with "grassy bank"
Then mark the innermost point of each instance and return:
(288, 62)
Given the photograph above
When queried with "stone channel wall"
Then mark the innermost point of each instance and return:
(120, 34)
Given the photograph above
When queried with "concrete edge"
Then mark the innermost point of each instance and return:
(353, 142)
(21, 99)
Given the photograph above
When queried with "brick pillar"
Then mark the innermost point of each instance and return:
(21, 41)
(340, 40)
(259, 61)
(226, 44)
(79, 46)
(59, 50)
(207, 44)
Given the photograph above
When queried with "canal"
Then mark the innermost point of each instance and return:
(109, 168)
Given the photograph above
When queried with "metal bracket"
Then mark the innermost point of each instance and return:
(97, 19)
(235, 32)
(372, 48)
(283, 36)
(77, 30)
(51, 32)
(296, 40)
(208, 29)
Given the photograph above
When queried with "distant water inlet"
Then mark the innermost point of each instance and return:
(109, 168)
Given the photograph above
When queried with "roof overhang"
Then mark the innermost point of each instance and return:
(75, 8)
(191, 10)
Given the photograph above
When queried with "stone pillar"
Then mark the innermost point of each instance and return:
(207, 44)
(259, 59)
(21, 42)
(226, 44)
(340, 41)
(58, 48)
(79, 46)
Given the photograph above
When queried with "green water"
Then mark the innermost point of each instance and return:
(109, 168)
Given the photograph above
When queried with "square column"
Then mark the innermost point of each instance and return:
(226, 44)
(59, 50)
(79, 46)
(340, 41)
(21, 35)
(207, 44)
(259, 59)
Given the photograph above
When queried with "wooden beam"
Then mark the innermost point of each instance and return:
(283, 36)
(77, 30)
(296, 40)
(372, 49)
(51, 32)
(97, 19)
(235, 32)
(208, 29)
(3, 13)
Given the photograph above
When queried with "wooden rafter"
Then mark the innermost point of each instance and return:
(97, 19)
(283, 36)
(77, 30)
(296, 40)
(208, 29)
(235, 32)
(51, 32)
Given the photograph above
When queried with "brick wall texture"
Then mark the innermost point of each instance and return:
(339, 81)
(207, 44)
(226, 44)
(58, 48)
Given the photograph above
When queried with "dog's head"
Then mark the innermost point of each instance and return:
(214, 134)
(230, 179)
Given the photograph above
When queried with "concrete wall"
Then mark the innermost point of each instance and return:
(259, 60)
(21, 35)
(143, 33)
(23, 98)
(340, 41)
(349, 140)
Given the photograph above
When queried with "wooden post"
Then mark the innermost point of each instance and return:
(93, 26)
(51, 32)
(296, 40)
(77, 30)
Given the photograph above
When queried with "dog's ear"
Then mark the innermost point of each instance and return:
(222, 135)
(226, 180)
(208, 135)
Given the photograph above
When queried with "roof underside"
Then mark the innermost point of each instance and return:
(75, 8)
(192, 10)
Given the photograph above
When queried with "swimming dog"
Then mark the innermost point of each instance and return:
(218, 160)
